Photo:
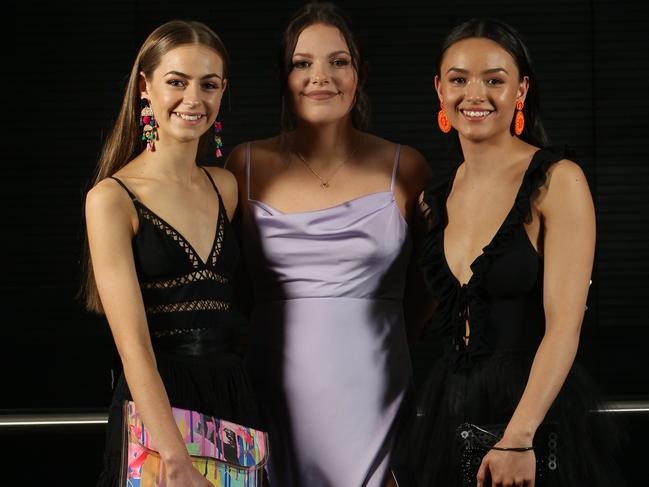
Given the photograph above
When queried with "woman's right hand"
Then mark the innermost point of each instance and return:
(186, 476)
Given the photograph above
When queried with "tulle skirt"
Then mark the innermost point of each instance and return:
(487, 393)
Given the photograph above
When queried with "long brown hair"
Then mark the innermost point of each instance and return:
(328, 14)
(124, 141)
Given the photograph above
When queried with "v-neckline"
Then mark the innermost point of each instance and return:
(498, 230)
(182, 237)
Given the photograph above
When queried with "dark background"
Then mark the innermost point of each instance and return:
(66, 66)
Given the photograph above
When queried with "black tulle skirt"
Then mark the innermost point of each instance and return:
(487, 393)
(212, 383)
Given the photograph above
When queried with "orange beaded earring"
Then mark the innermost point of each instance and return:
(519, 121)
(442, 119)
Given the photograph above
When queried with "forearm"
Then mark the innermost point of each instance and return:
(152, 402)
(551, 366)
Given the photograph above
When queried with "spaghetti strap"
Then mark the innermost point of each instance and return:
(248, 169)
(395, 165)
(211, 181)
(130, 193)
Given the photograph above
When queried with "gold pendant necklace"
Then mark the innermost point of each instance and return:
(324, 183)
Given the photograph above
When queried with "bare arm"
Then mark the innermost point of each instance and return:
(413, 176)
(568, 218)
(110, 219)
(569, 248)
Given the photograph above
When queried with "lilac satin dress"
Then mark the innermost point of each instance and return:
(329, 356)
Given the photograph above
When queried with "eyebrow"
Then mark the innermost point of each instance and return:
(178, 73)
(335, 53)
(486, 71)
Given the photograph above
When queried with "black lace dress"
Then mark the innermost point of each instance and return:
(194, 328)
(482, 382)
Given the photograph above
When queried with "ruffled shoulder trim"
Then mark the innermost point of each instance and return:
(435, 196)
(535, 176)
(431, 260)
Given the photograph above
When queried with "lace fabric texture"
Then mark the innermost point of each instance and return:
(194, 328)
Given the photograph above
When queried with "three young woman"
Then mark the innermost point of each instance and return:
(327, 216)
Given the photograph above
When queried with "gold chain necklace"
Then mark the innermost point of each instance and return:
(324, 183)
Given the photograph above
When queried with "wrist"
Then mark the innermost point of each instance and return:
(518, 437)
(175, 459)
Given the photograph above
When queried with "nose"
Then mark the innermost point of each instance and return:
(320, 75)
(475, 91)
(191, 98)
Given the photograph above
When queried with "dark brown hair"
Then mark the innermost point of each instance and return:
(124, 141)
(328, 14)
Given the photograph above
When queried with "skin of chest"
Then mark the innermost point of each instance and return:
(474, 217)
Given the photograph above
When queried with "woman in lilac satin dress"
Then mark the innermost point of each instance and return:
(326, 218)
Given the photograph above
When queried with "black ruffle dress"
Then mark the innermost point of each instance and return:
(482, 382)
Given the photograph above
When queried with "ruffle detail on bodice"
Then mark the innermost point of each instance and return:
(454, 299)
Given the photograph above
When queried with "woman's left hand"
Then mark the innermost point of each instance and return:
(507, 468)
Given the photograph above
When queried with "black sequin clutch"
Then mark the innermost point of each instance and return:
(476, 441)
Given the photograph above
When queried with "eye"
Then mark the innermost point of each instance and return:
(494, 82)
(458, 80)
(176, 83)
(211, 85)
(301, 64)
(340, 62)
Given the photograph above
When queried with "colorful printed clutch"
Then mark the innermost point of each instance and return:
(227, 454)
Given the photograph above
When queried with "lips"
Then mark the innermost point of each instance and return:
(321, 94)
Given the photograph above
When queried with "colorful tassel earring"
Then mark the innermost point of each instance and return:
(519, 121)
(442, 119)
(148, 124)
(218, 127)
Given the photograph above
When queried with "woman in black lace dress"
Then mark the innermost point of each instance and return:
(163, 252)
(509, 255)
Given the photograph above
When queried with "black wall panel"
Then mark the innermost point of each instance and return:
(63, 87)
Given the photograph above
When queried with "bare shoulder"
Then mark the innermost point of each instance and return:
(412, 164)
(565, 188)
(259, 149)
(108, 198)
(411, 161)
(564, 176)
(227, 186)
(565, 171)
(236, 162)
(413, 171)
(224, 180)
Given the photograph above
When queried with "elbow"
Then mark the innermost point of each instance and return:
(563, 333)
(136, 355)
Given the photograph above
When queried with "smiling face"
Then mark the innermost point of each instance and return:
(185, 91)
(322, 83)
(479, 85)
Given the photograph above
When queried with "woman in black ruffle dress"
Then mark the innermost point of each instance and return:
(508, 255)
